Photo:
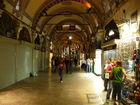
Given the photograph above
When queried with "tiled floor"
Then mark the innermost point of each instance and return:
(78, 88)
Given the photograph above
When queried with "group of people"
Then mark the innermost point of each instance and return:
(87, 64)
(114, 77)
(114, 74)
(59, 63)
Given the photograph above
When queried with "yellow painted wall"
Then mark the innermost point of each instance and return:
(33, 6)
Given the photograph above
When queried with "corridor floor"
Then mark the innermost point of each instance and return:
(79, 88)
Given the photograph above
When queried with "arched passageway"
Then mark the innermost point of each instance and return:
(33, 33)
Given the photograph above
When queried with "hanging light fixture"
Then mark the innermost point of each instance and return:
(111, 32)
(87, 4)
(70, 37)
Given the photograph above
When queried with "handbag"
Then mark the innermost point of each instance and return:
(107, 76)
(111, 75)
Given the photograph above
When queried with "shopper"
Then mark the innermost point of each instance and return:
(88, 65)
(118, 74)
(75, 62)
(53, 64)
(108, 68)
(67, 63)
(109, 90)
(61, 69)
(91, 64)
(71, 65)
(83, 64)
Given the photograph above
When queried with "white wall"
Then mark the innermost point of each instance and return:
(17, 60)
(24, 62)
(36, 60)
(42, 67)
(44, 61)
(47, 60)
(7, 64)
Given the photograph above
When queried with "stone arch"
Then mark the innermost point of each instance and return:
(45, 6)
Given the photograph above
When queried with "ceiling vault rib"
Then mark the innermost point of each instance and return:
(56, 15)
(66, 24)
(46, 5)
(78, 13)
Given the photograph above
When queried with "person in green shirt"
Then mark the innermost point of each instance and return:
(119, 75)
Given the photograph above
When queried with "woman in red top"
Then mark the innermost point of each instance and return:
(61, 69)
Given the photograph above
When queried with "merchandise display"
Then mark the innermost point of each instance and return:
(129, 54)
(131, 88)
(131, 92)
(125, 49)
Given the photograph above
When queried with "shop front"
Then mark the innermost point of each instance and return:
(109, 46)
(129, 52)
(127, 49)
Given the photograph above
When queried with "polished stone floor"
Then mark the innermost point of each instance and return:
(78, 88)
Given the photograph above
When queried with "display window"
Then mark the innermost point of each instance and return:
(110, 54)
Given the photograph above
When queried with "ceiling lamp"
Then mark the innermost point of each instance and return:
(70, 37)
(111, 32)
(87, 4)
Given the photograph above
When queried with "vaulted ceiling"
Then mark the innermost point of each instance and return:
(87, 15)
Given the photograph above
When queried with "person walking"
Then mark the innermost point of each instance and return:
(71, 65)
(118, 74)
(83, 64)
(67, 63)
(53, 64)
(91, 64)
(61, 69)
(75, 63)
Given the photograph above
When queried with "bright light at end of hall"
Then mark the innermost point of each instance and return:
(87, 4)
(70, 37)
